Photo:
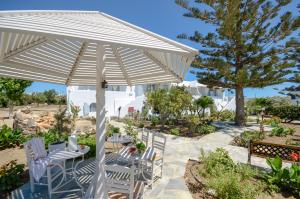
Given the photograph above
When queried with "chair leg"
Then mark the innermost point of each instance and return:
(49, 182)
(31, 182)
(161, 169)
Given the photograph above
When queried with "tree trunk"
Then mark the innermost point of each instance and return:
(240, 109)
(203, 112)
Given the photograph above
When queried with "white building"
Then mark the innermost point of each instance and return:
(125, 97)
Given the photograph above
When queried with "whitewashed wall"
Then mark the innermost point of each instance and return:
(134, 97)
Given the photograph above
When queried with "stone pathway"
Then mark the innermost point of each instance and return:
(180, 149)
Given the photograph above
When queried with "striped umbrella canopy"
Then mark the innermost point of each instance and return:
(88, 48)
(60, 47)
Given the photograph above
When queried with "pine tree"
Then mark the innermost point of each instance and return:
(247, 48)
(294, 53)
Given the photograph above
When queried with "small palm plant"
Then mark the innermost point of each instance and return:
(203, 102)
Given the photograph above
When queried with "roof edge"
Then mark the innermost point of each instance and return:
(170, 41)
(12, 12)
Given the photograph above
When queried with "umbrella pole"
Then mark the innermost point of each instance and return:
(97, 188)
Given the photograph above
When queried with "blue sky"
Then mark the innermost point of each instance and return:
(160, 16)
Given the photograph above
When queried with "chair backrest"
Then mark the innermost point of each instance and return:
(120, 179)
(57, 147)
(29, 148)
(159, 142)
(27, 152)
(145, 136)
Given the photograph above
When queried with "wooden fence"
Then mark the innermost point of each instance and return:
(264, 150)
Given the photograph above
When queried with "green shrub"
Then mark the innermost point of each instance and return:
(53, 136)
(10, 176)
(175, 131)
(10, 138)
(226, 115)
(229, 180)
(88, 140)
(285, 179)
(215, 162)
(229, 185)
(141, 125)
(62, 120)
(243, 139)
(140, 147)
(193, 122)
(282, 131)
(273, 122)
(155, 120)
(129, 129)
(287, 113)
(110, 130)
(205, 129)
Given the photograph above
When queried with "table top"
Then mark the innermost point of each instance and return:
(149, 154)
(120, 139)
(65, 155)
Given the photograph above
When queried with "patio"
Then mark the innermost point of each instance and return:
(172, 185)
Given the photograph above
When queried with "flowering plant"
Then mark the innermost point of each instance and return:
(295, 156)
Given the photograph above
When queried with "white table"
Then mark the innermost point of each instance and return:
(137, 159)
(119, 139)
(59, 156)
(149, 154)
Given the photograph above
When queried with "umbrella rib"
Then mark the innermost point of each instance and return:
(77, 62)
(121, 64)
(163, 66)
(23, 48)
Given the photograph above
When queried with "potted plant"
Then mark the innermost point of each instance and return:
(141, 147)
(54, 139)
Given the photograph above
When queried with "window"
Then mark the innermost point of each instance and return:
(86, 88)
(93, 107)
(116, 88)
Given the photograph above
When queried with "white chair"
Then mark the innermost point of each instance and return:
(120, 182)
(159, 145)
(152, 169)
(145, 136)
(40, 168)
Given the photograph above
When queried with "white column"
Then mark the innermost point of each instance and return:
(97, 189)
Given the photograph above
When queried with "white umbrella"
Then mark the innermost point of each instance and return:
(88, 48)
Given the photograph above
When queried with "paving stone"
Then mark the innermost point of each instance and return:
(177, 183)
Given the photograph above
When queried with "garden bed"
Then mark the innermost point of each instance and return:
(217, 176)
(283, 140)
(183, 129)
(194, 181)
(199, 190)
(293, 139)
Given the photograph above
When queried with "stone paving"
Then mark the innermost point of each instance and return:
(178, 151)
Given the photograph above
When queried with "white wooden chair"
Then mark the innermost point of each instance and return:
(152, 169)
(120, 182)
(145, 136)
(159, 145)
(48, 177)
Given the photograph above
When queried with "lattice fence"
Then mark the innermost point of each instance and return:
(272, 150)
